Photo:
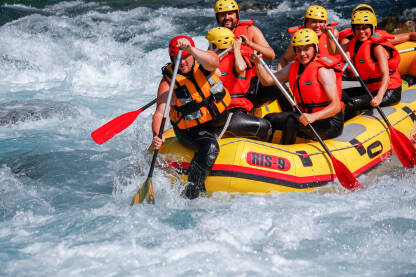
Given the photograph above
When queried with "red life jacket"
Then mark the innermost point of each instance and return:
(307, 90)
(322, 44)
(366, 63)
(237, 86)
(241, 29)
(348, 34)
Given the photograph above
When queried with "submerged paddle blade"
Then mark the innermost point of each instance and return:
(403, 148)
(145, 193)
(345, 176)
(115, 126)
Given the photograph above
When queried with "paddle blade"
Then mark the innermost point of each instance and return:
(145, 193)
(345, 176)
(403, 148)
(115, 126)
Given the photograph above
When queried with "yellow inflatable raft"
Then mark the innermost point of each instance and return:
(250, 166)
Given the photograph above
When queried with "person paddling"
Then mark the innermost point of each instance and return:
(236, 72)
(316, 18)
(315, 81)
(198, 108)
(227, 14)
(376, 61)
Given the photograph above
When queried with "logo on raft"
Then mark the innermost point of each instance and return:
(267, 161)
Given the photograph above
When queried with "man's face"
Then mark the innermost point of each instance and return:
(186, 64)
(305, 53)
(228, 19)
(316, 25)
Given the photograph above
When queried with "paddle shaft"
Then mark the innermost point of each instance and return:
(407, 50)
(292, 102)
(383, 115)
(166, 111)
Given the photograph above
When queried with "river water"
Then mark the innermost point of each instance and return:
(68, 67)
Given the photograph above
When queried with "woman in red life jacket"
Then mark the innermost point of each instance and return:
(346, 35)
(316, 18)
(236, 71)
(377, 61)
(315, 81)
(197, 109)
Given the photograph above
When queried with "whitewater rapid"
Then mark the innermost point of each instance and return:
(68, 68)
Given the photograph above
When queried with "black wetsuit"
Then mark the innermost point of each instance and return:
(260, 95)
(289, 123)
(202, 139)
(357, 99)
(248, 126)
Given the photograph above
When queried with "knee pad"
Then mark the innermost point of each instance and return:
(206, 155)
(265, 129)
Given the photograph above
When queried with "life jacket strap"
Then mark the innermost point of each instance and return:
(375, 80)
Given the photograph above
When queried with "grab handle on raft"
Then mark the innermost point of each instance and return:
(401, 144)
(345, 177)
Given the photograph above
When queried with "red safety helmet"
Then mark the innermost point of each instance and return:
(174, 50)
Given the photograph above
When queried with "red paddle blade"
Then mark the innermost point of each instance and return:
(115, 126)
(403, 148)
(345, 176)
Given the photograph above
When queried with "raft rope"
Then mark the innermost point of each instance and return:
(320, 152)
(225, 126)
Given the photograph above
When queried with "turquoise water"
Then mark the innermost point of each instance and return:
(68, 67)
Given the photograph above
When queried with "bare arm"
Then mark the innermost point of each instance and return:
(240, 65)
(399, 38)
(328, 80)
(382, 56)
(206, 58)
(286, 58)
(258, 42)
(162, 97)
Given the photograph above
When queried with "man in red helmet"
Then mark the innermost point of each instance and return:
(198, 108)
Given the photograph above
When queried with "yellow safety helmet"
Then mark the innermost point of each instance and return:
(304, 36)
(364, 17)
(316, 12)
(226, 6)
(363, 7)
(220, 36)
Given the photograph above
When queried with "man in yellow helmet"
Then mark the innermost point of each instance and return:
(228, 15)
(347, 34)
(315, 82)
(316, 18)
(236, 72)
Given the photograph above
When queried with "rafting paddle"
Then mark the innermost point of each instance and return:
(401, 144)
(145, 192)
(344, 175)
(118, 124)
